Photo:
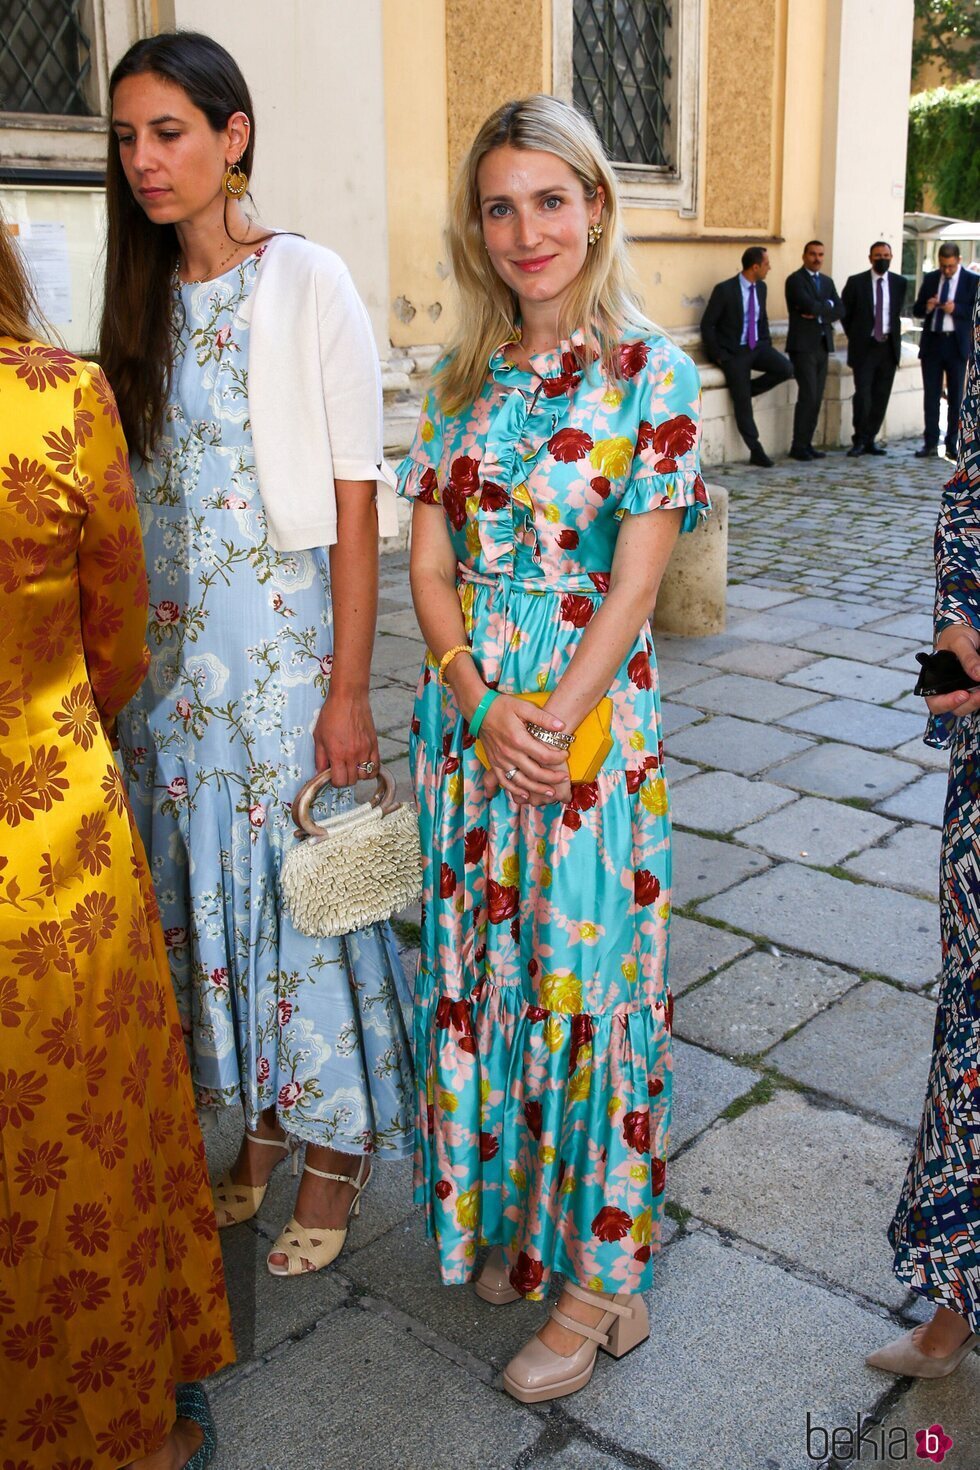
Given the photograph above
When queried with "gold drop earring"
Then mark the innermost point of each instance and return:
(595, 232)
(235, 181)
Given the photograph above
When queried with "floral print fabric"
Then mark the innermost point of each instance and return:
(542, 1012)
(216, 745)
(111, 1283)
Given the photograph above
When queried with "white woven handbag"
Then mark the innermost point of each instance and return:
(355, 870)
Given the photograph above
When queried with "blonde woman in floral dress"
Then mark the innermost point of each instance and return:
(253, 395)
(554, 464)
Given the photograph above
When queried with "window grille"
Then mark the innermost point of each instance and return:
(45, 57)
(621, 60)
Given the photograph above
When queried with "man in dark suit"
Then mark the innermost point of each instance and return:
(871, 315)
(945, 300)
(735, 333)
(814, 306)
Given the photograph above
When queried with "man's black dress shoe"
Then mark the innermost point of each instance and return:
(803, 455)
(928, 451)
(877, 449)
(816, 453)
(951, 451)
(759, 457)
(856, 451)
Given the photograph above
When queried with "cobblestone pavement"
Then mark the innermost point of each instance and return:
(804, 954)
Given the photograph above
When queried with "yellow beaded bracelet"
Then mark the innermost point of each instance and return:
(448, 657)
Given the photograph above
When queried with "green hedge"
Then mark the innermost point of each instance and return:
(944, 151)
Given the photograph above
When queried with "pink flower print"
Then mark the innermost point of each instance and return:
(289, 1095)
(221, 339)
(256, 814)
(184, 709)
(177, 788)
(276, 602)
(285, 1012)
(234, 502)
(167, 612)
(262, 1069)
(326, 664)
(175, 938)
(219, 978)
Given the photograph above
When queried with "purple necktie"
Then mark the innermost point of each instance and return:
(879, 332)
(752, 337)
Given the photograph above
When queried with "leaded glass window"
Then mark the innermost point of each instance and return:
(45, 57)
(621, 59)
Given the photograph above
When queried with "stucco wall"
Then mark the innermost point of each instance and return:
(741, 85)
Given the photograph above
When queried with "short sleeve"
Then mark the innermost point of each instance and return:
(666, 469)
(418, 473)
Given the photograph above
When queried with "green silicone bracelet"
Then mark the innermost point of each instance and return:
(480, 713)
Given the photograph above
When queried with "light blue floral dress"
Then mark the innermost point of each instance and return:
(542, 1011)
(215, 746)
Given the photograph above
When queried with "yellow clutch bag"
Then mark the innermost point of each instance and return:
(591, 745)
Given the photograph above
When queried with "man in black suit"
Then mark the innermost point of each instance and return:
(871, 315)
(735, 333)
(945, 300)
(814, 306)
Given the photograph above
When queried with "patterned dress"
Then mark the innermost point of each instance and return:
(936, 1230)
(216, 745)
(111, 1283)
(542, 1012)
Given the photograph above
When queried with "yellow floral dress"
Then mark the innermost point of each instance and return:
(111, 1284)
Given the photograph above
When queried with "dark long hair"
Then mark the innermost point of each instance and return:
(17, 305)
(136, 341)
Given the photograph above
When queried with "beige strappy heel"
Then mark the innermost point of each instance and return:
(234, 1202)
(537, 1373)
(317, 1245)
(493, 1282)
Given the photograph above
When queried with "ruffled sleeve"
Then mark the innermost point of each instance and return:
(418, 473)
(666, 469)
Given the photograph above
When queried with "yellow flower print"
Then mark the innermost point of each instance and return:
(638, 740)
(554, 1034)
(613, 1106)
(612, 397)
(568, 1184)
(639, 1172)
(428, 432)
(663, 912)
(448, 1101)
(466, 598)
(518, 1177)
(511, 869)
(455, 788)
(562, 991)
(596, 1284)
(642, 1227)
(612, 457)
(523, 496)
(473, 538)
(588, 932)
(578, 1087)
(653, 796)
(551, 513)
(545, 877)
(547, 1154)
(629, 971)
(468, 1208)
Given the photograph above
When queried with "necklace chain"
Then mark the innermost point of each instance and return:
(199, 280)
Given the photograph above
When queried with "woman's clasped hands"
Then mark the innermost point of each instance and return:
(526, 768)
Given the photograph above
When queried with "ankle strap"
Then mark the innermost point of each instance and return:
(359, 1183)
(282, 1143)
(582, 1328)
(598, 1299)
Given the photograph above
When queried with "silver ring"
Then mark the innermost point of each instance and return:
(367, 767)
(509, 775)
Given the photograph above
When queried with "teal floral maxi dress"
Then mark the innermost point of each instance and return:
(215, 746)
(542, 1014)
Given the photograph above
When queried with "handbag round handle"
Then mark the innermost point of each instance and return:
(384, 796)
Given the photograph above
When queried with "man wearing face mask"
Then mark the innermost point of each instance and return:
(945, 300)
(871, 316)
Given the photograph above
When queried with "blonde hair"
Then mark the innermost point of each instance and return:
(16, 297)
(602, 301)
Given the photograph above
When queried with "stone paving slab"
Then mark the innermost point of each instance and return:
(697, 950)
(778, 625)
(720, 802)
(760, 660)
(753, 699)
(391, 660)
(917, 627)
(676, 674)
(856, 723)
(768, 1178)
(702, 866)
(674, 717)
(871, 1050)
(672, 645)
(350, 1394)
(718, 1314)
(401, 625)
(952, 1402)
(392, 708)
(852, 924)
(816, 831)
(851, 679)
(924, 755)
(748, 594)
(830, 610)
(909, 860)
(704, 1085)
(843, 771)
(677, 771)
(921, 802)
(730, 744)
(850, 643)
(757, 1000)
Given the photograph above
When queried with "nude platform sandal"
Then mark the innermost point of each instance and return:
(537, 1373)
(233, 1202)
(317, 1245)
(493, 1283)
(906, 1358)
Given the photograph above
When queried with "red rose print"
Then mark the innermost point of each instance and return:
(675, 437)
(447, 882)
(535, 1013)
(532, 1116)
(430, 487)
(464, 473)
(502, 899)
(515, 929)
(632, 358)
(636, 1130)
(611, 1224)
(444, 1011)
(416, 725)
(532, 970)
(643, 1254)
(262, 1069)
(285, 1011)
(644, 436)
(488, 1146)
(474, 845)
(494, 497)
(568, 445)
(655, 1087)
(526, 1274)
(700, 491)
(454, 504)
(289, 1094)
(658, 1175)
(567, 540)
(600, 580)
(444, 1189)
(639, 671)
(167, 612)
(571, 818)
(665, 466)
(646, 888)
(601, 486)
(581, 1036)
(576, 610)
(669, 1017)
(634, 780)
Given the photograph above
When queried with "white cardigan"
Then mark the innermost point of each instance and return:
(314, 394)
